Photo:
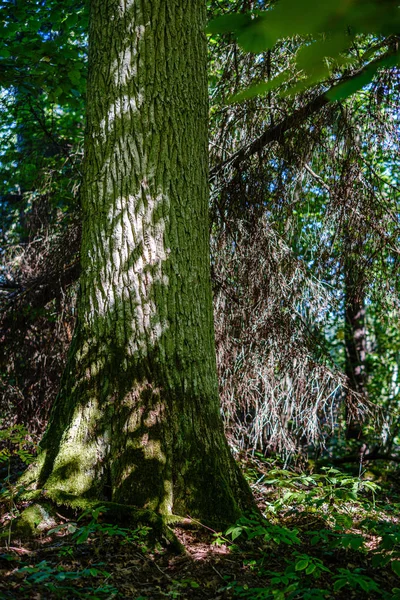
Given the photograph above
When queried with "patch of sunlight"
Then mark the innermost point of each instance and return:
(168, 501)
(155, 415)
(76, 465)
(136, 250)
(125, 5)
(121, 106)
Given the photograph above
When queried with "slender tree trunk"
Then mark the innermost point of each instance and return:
(355, 342)
(354, 276)
(137, 419)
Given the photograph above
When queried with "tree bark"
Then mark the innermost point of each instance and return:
(137, 418)
(355, 339)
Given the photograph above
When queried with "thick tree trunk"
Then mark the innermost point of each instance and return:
(137, 418)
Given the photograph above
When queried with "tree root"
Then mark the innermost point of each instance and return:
(40, 516)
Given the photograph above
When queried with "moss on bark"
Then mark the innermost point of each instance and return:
(34, 520)
(137, 418)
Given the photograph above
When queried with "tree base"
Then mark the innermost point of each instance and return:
(41, 516)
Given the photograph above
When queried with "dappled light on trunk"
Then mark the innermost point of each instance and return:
(137, 417)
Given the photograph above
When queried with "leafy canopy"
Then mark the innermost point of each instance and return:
(328, 29)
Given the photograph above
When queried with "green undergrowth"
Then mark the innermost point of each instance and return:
(64, 574)
(326, 535)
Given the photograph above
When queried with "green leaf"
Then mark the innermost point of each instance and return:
(310, 56)
(228, 23)
(339, 583)
(310, 569)
(379, 560)
(395, 564)
(234, 532)
(302, 85)
(256, 37)
(290, 589)
(259, 89)
(388, 541)
(347, 88)
(302, 564)
(342, 521)
(74, 76)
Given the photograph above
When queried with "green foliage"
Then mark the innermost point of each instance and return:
(305, 560)
(56, 579)
(310, 564)
(42, 572)
(355, 580)
(252, 528)
(42, 60)
(333, 539)
(15, 445)
(282, 587)
(288, 18)
(329, 489)
(15, 442)
(395, 564)
(48, 577)
(43, 49)
(95, 527)
(328, 30)
(42, 86)
(180, 588)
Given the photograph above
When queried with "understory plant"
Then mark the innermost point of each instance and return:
(324, 534)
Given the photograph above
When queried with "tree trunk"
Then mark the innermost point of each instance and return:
(355, 341)
(137, 418)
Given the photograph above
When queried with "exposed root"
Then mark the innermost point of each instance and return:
(40, 516)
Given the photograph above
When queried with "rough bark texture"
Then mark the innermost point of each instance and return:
(355, 342)
(137, 418)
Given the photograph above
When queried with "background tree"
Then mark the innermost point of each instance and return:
(282, 154)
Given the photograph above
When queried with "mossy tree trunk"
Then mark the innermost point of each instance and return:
(137, 417)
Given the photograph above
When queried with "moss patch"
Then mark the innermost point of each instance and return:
(34, 520)
(41, 516)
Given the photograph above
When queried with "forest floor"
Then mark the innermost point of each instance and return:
(327, 535)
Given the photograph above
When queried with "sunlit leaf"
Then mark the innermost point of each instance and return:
(301, 565)
(259, 89)
(347, 88)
